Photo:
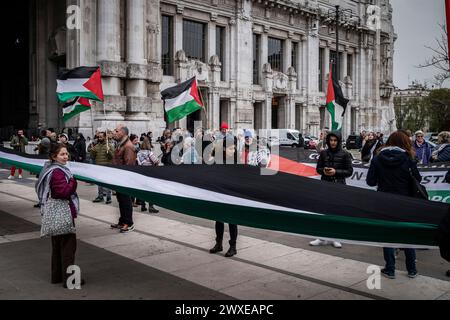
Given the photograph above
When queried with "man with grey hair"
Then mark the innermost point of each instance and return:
(124, 155)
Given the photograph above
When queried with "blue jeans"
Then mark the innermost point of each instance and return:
(389, 257)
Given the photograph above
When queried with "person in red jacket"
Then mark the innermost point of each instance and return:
(56, 181)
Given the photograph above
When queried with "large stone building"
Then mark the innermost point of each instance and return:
(260, 63)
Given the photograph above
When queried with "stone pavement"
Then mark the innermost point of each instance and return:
(169, 259)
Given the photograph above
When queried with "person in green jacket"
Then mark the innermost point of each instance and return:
(18, 143)
(102, 153)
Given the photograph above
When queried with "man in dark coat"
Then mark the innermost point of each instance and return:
(334, 165)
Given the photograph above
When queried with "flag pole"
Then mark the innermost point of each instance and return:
(204, 107)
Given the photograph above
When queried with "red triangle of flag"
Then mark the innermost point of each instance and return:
(94, 84)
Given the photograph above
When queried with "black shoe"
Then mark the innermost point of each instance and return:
(152, 209)
(97, 200)
(217, 248)
(390, 275)
(231, 252)
(144, 208)
(37, 205)
(448, 273)
(108, 201)
(117, 226)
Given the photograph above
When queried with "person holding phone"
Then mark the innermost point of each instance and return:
(334, 165)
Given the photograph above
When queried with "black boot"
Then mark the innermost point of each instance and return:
(232, 251)
(217, 248)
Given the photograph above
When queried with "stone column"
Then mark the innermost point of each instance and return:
(108, 56)
(214, 95)
(267, 104)
(326, 65)
(287, 55)
(344, 64)
(290, 101)
(138, 104)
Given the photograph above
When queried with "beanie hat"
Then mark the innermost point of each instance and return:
(248, 134)
(224, 126)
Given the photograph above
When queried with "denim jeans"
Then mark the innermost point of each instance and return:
(104, 192)
(389, 257)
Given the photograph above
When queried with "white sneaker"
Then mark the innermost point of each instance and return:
(20, 176)
(318, 242)
(337, 245)
(11, 178)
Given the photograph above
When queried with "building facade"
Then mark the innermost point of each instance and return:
(260, 63)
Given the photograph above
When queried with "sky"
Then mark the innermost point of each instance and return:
(416, 23)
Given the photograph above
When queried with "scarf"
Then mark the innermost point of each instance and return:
(43, 184)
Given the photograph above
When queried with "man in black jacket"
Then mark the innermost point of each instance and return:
(334, 165)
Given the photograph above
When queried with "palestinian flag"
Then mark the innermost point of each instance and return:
(84, 82)
(239, 194)
(181, 100)
(336, 103)
(75, 107)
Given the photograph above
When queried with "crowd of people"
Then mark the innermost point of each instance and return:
(393, 163)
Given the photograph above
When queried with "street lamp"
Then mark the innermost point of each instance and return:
(345, 15)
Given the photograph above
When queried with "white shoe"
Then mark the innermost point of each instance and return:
(337, 245)
(20, 176)
(318, 242)
(11, 178)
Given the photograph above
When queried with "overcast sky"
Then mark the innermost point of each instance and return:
(416, 23)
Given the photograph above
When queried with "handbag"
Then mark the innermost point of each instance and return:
(56, 218)
(418, 190)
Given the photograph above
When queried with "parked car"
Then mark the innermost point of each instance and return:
(311, 142)
(352, 142)
(283, 137)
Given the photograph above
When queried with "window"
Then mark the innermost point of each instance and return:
(294, 56)
(220, 49)
(256, 60)
(275, 54)
(350, 66)
(167, 46)
(321, 77)
(194, 38)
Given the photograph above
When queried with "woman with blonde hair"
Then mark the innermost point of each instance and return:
(146, 157)
(442, 154)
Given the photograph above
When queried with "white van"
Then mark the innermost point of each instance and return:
(282, 137)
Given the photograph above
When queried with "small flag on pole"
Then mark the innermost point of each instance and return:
(75, 107)
(181, 100)
(336, 103)
(83, 82)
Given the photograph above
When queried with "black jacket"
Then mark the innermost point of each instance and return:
(389, 171)
(366, 151)
(338, 159)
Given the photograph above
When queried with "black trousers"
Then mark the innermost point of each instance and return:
(220, 228)
(126, 209)
(63, 256)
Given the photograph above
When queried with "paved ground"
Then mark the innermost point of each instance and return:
(167, 258)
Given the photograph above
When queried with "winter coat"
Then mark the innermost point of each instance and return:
(423, 152)
(369, 149)
(389, 171)
(101, 155)
(63, 189)
(18, 144)
(338, 159)
(443, 153)
(80, 148)
(125, 153)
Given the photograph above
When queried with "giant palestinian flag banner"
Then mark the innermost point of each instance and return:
(181, 100)
(240, 195)
(83, 82)
(336, 103)
(75, 107)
